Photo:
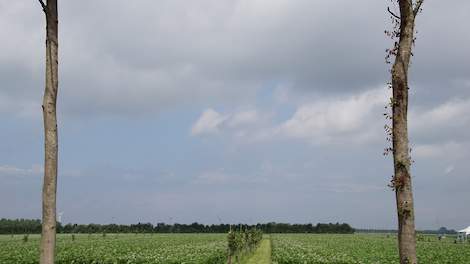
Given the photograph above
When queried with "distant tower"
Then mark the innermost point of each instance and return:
(59, 217)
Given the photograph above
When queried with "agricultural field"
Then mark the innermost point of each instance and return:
(120, 249)
(212, 249)
(361, 248)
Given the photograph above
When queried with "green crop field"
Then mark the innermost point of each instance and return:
(120, 249)
(370, 249)
(212, 249)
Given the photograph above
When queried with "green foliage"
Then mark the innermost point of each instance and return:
(243, 242)
(361, 249)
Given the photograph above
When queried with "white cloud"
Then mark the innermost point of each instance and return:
(7, 170)
(438, 150)
(453, 113)
(209, 123)
(441, 131)
(238, 124)
(325, 121)
(244, 118)
(356, 118)
(449, 169)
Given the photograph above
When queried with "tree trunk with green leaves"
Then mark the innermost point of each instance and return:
(49, 191)
(401, 152)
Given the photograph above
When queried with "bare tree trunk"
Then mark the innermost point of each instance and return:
(49, 191)
(401, 154)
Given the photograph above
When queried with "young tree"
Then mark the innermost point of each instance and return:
(401, 181)
(49, 191)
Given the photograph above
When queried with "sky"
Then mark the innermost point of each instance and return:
(233, 111)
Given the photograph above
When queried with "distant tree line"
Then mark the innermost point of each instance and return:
(306, 228)
(440, 231)
(33, 226)
(20, 226)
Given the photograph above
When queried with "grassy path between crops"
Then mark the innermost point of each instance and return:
(262, 255)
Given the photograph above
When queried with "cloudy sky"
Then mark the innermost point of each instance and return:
(239, 110)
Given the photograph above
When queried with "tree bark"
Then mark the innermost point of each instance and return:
(49, 191)
(401, 154)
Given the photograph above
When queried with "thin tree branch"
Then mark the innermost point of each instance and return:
(44, 6)
(393, 14)
(417, 7)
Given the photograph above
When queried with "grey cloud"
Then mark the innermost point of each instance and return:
(147, 56)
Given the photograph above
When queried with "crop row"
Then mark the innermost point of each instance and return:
(242, 242)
